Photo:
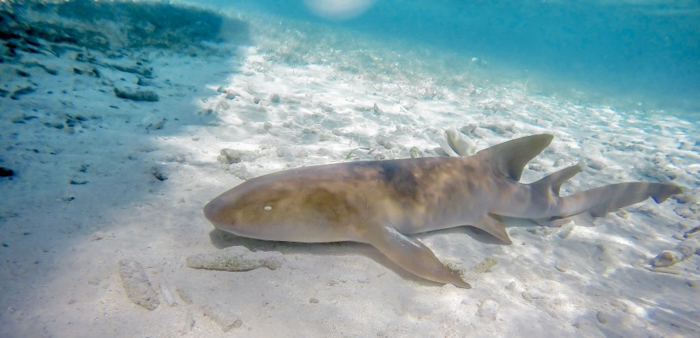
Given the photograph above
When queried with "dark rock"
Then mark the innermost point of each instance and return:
(32, 41)
(22, 73)
(137, 95)
(159, 174)
(92, 71)
(21, 91)
(23, 118)
(147, 72)
(5, 172)
(143, 82)
(50, 70)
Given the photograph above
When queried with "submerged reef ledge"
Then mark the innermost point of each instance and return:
(114, 25)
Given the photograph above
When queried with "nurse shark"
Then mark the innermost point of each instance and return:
(382, 203)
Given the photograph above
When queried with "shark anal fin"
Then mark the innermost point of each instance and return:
(493, 225)
(412, 255)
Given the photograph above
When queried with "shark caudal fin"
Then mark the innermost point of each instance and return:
(602, 200)
(596, 202)
(510, 158)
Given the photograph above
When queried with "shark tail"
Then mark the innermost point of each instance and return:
(599, 201)
(602, 200)
(509, 159)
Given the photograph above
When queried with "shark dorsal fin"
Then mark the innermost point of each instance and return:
(511, 157)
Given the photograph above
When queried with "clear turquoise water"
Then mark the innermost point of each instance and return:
(645, 52)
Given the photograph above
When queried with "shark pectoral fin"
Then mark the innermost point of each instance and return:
(412, 255)
(492, 224)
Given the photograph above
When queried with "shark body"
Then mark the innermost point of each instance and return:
(383, 202)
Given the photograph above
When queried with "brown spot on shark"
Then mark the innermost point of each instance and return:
(382, 203)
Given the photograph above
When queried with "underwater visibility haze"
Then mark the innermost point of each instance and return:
(383, 168)
(637, 52)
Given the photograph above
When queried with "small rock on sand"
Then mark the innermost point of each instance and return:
(602, 317)
(665, 259)
(158, 173)
(222, 316)
(415, 152)
(488, 309)
(689, 211)
(385, 142)
(595, 164)
(686, 249)
(231, 156)
(137, 285)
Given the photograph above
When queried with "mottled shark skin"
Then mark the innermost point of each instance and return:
(383, 202)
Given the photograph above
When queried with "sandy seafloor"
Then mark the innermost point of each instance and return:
(90, 190)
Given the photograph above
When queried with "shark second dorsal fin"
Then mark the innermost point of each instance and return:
(554, 181)
(511, 157)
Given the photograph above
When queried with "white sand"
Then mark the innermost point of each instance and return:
(63, 242)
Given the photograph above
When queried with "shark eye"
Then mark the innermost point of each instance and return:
(267, 208)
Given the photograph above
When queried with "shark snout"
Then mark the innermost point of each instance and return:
(214, 211)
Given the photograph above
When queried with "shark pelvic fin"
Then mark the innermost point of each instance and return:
(511, 157)
(493, 225)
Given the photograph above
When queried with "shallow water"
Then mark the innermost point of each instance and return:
(120, 123)
(636, 54)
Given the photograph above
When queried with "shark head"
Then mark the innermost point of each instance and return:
(280, 208)
(262, 211)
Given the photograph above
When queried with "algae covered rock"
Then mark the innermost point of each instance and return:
(137, 285)
(235, 258)
(485, 265)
